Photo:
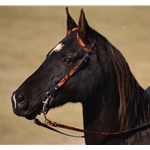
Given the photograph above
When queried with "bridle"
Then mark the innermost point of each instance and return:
(51, 93)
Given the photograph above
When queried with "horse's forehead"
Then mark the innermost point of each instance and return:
(57, 48)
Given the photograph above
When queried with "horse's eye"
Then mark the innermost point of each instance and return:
(67, 61)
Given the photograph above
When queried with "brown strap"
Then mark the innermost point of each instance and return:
(63, 81)
(36, 121)
(83, 45)
(70, 31)
(55, 124)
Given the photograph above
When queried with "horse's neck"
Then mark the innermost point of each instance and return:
(100, 113)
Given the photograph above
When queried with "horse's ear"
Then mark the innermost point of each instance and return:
(70, 22)
(85, 31)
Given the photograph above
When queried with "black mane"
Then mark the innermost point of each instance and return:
(133, 98)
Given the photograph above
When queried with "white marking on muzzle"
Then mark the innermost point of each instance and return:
(57, 48)
(14, 99)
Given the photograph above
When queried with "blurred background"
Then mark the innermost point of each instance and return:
(27, 34)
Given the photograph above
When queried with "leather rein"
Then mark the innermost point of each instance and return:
(50, 96)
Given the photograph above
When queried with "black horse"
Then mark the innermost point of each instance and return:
(85, 67)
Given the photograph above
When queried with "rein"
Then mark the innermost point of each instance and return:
(51, 93)
(49, 123)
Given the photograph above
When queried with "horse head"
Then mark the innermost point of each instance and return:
(27, 100)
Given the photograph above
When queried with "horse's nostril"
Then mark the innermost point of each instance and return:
(20, 98)
(21, 101)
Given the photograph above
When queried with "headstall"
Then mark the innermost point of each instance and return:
(50, 94)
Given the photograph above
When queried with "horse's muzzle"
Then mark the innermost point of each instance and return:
(21, 107)
(19, 103)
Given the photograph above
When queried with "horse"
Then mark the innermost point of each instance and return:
(85, 67)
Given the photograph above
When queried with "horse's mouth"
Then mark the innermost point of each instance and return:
(37, 111)
(33, 113)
